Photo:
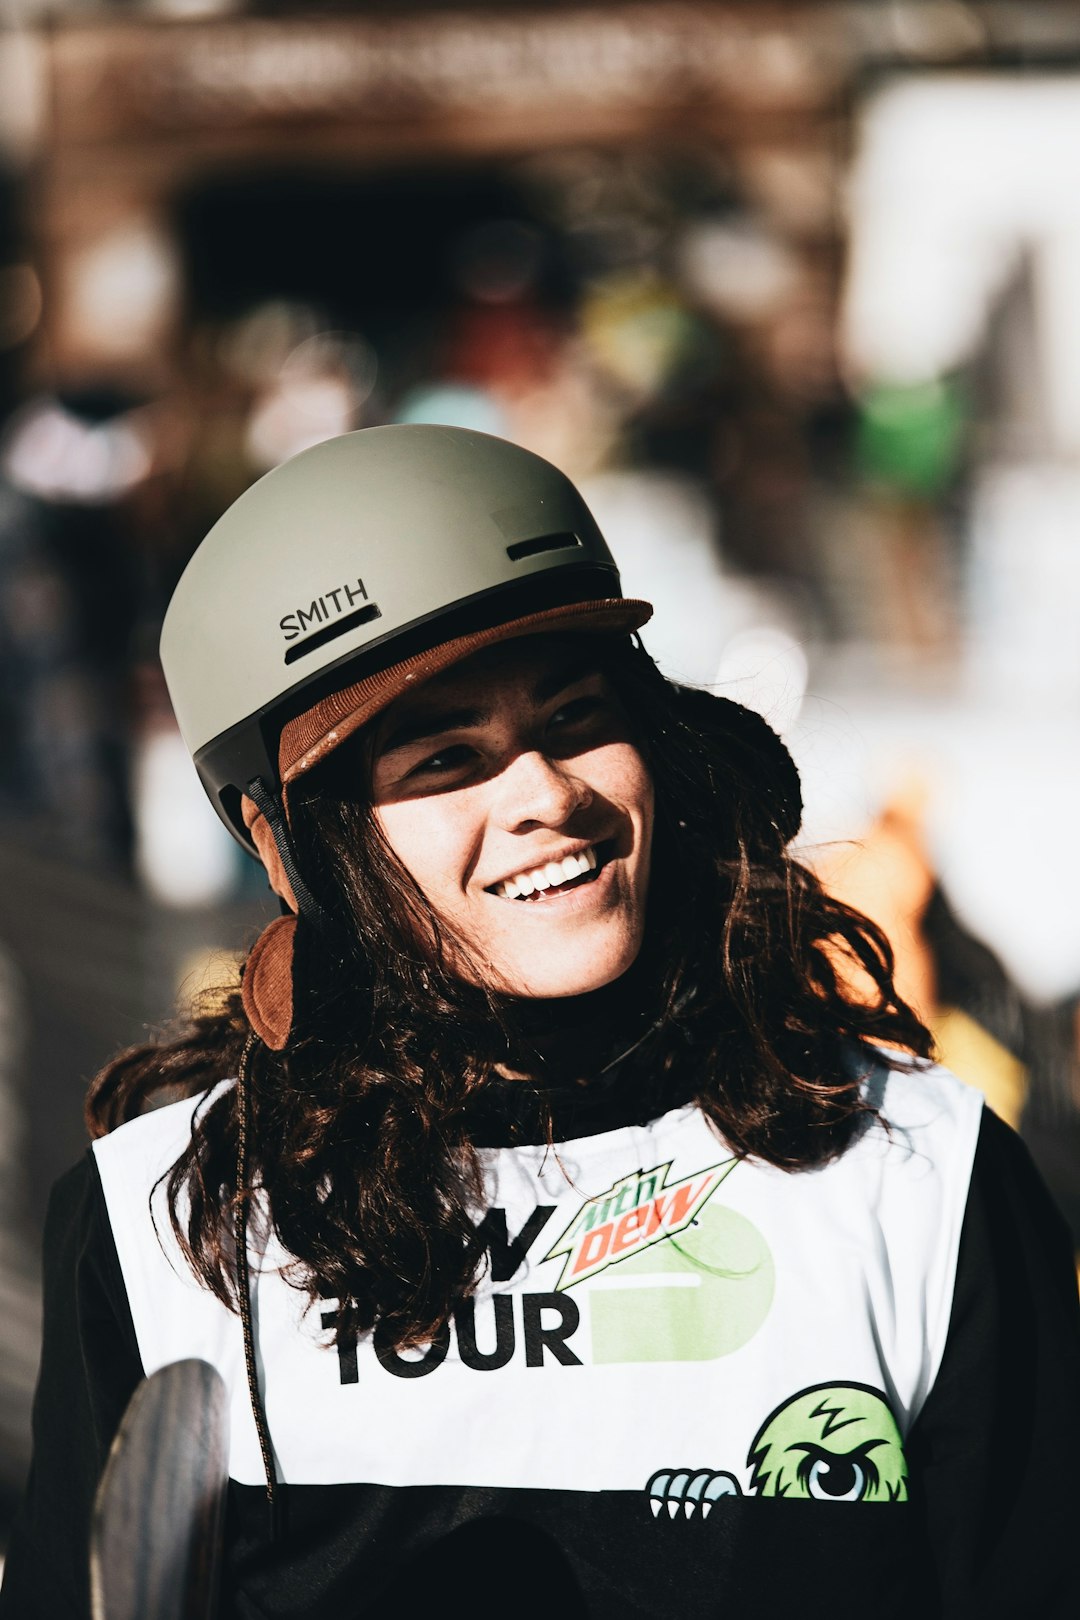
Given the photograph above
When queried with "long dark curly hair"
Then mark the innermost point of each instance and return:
(359, 1132)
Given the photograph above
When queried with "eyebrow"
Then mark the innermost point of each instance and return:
(568, 674)
(424, 726)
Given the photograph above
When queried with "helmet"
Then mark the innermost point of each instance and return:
(361, 565)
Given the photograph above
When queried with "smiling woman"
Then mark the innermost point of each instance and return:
(550, 1071)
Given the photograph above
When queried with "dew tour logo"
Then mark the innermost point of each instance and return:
(633, 1214)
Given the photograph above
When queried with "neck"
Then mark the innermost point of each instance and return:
(571, 1039)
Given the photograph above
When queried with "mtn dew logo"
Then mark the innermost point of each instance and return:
(636, 1212)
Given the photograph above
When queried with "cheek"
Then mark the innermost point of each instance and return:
(431, 847)
(622, 776)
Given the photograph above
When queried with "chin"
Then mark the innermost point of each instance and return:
(566, 976)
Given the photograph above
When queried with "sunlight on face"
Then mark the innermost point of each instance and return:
(511, 789)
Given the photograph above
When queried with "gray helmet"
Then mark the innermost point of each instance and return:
(353, 558)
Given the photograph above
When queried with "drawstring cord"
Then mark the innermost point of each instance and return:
(271, 807)
(243, 1284)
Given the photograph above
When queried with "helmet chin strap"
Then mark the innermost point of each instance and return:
(271, 807)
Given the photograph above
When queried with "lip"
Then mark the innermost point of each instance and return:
(605, 848)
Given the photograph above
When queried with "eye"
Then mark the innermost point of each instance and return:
(582, 714)
(576, 709)
(447, 762)
(836, 1479)
(829, 1476)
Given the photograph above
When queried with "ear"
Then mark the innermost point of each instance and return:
(263, 840)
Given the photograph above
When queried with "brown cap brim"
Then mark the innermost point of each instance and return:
(319, 730)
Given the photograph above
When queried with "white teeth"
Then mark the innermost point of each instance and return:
(548, 876)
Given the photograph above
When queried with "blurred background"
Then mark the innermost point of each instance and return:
(791, 290)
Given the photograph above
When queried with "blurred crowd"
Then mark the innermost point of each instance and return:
(823, 403)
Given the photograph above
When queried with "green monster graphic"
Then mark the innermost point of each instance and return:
(835, 1442)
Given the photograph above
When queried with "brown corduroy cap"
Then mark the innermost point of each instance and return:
(311, 736)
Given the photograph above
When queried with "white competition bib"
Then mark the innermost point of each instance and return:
(655, 1314)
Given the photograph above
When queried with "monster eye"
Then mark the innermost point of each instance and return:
(836, 1479)
(831, 1476)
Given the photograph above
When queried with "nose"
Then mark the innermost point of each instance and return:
(536, 791)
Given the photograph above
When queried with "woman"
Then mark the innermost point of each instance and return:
(601, 1250)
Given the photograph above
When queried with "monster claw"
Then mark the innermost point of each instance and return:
(689, 1489)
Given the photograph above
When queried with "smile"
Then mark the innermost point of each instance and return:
(555, 877)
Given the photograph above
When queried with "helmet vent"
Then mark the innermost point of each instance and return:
(542, 543)
(330, 632)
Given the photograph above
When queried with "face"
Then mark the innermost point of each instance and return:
(513, 792)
